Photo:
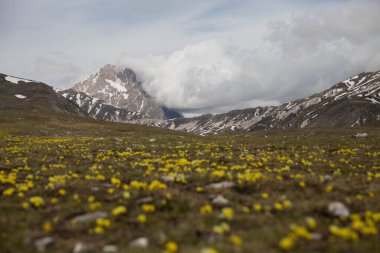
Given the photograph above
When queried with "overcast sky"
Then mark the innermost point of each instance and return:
(198, 56)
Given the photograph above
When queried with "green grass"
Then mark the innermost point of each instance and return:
(84, 162)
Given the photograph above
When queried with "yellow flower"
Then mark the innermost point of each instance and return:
(265, 195)
(148, 208)
(94, 206)
(221, 229)
(141, 218)
(228, 213)
(62, 192)
(199, 189)
(301, 232)
(115, 181)
(91, 199)
(236, 240)
(157, 185)
(54, 201)
(278, 206)
(103, 222)
(206, 209)
(8, 192)
(100, 177)
(126, 195)
(119, 210)
(171, 247)
(47, 227)
(286, 243)
(37, 201)
(257, 207)
(111, 191)
(76, 197)
(286, 204)
(344, 233)
(25, 205)
(99, 230)
(311, 222)
(329, 188)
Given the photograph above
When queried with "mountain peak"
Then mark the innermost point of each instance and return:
(119, 87)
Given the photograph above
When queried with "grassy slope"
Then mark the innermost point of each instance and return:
(275, 163)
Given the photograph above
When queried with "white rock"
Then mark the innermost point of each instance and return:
(221, 185)
(220, 200)
(110, 249)
(79, 247)
(338, 209)
(89, 217)
(361, 135)
(316, 236)
(141, 242)
(145, 200)
(42, 243)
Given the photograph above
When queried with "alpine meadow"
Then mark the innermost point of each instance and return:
(190, 126)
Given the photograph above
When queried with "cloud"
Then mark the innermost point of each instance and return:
(297, 58)
(197, 56)
(57, 67)
(204, 75)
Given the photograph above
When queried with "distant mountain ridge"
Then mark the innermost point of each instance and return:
(353, 102)
(120, 89)
(22, 94)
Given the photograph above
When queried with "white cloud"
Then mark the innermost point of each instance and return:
(209, 74)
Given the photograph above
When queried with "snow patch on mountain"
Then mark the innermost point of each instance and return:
(117, 85)
(15, 80)
(20, 96)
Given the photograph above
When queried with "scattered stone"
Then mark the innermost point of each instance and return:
(152, 140)
(69, 133)
(141, 242)
(110, 249)
(220, 200)
(168, 179)
(327, 178)
(145, 200)
(315, 236)
(221, 185)
(161, 236)
(338, 209)
(42, 243)
(80, 248)
(94, 189)
(89, 217)
(361, 135)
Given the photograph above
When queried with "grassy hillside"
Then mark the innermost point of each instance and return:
(257, 192)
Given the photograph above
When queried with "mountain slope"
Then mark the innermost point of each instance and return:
(353, 102)
(98, 109)
(121, 89)
(28, 95)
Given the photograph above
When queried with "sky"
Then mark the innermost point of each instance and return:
(195, 56)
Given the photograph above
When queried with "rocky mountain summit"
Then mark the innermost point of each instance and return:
(122, 92)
